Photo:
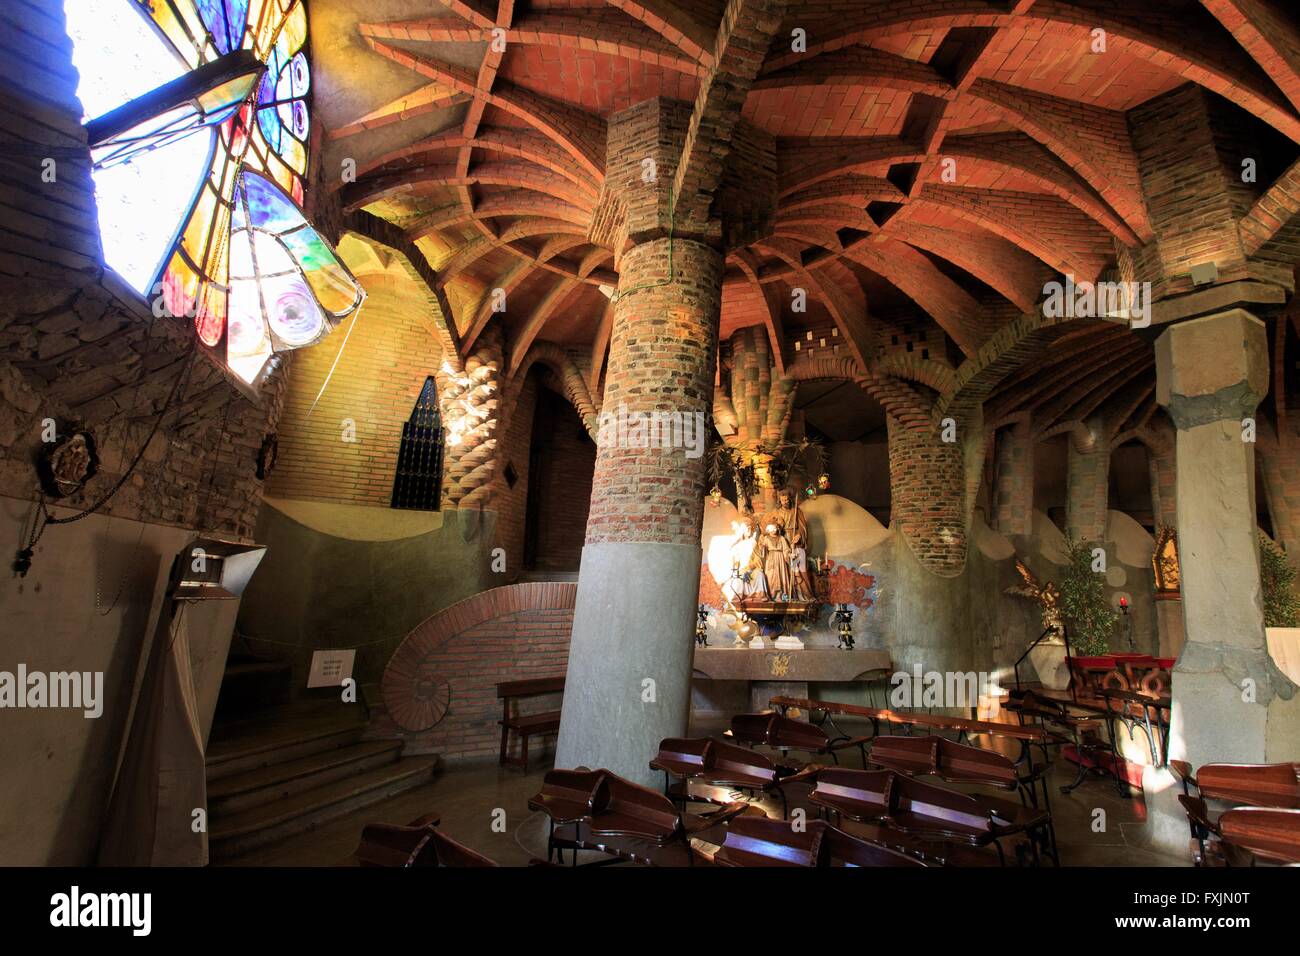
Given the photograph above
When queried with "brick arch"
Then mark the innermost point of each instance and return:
(566, 370)
(899, 399)
(505, 633)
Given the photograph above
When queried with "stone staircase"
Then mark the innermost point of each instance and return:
(293, 767)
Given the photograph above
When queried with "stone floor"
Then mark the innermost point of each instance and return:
(468, 796)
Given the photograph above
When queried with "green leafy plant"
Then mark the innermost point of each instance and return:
(1277, 580)
(1088, 615)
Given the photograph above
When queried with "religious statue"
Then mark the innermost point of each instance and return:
(1047, 595)
(774, 555)
(792, 520)
(747, 579)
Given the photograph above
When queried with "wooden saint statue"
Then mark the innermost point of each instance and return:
(774, 554)
(796, 533)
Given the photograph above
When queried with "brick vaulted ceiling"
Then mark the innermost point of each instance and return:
(490, 155)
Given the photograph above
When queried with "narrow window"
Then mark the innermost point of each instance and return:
(417, 485)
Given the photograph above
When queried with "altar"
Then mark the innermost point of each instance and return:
(771, 672)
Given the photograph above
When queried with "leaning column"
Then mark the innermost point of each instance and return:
(630, 655)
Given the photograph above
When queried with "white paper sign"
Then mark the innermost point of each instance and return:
(330, 668)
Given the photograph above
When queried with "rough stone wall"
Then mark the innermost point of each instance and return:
(1087, 485)
(1013, 491)
(661, 359)
(927, 495)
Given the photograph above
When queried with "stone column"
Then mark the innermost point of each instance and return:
(1013, 492)
(1088, 483)
(629, 672)
(1228, 697)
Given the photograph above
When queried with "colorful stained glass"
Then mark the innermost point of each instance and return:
(246, 265)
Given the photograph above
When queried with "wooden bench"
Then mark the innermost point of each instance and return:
(526, 725)
(1274, 786)
(418, 844)
(785, 734)
(621, 819)
(757, 841)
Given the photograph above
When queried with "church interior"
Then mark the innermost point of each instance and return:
(650, 433)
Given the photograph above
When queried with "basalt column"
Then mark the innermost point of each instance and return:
(630, 656)
(1230, 703)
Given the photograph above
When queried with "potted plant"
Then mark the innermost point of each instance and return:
(1089, 618)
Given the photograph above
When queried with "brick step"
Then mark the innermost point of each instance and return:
(229, 836)
(278, 781)
(280, 735)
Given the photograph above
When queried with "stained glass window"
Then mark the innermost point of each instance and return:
(200, 142)
(417, 482)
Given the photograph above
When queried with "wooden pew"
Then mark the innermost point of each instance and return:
(418, 844)
(935, 814)
(621, 819)
(1263, 833)
(861, 795)
(1267, 786)
(785, 734)
(760, 842)
(525, 725)
(963, 726)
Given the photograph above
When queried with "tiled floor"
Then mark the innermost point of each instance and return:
(486, 807)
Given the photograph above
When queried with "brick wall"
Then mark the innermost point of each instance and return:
(565, 459)
(389, 353)
(1194, 198)
(516, 632)
(927, 496)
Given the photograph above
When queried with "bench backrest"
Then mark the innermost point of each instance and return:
(842, 849)
(938, 807)
(727, 762)
(569, 787)
(751, 728)
(1267, 831)
(1262, 784)
(451, 853)
(799, 734)
(871, 787)
(908, 753)
(975, 764)
(682, 750)
(640, 811)
(759, 841)
(532, 687)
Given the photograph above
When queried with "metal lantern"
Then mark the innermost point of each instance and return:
(702, 626)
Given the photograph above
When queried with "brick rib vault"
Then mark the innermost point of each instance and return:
(630, 194)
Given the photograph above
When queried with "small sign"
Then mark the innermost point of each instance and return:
(330, 668)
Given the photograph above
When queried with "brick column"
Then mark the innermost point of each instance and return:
(1087, 483)
(1013, 491)
(927, 490)
(630, 656)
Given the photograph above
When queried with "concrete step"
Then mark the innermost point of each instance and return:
(281, 735)
(278, 781)
(229, 836)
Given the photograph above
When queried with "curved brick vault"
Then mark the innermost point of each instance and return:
(905, 175)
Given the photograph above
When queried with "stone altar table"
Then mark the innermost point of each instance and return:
(772, 672)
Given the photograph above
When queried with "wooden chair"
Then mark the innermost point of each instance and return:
(525, 725)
